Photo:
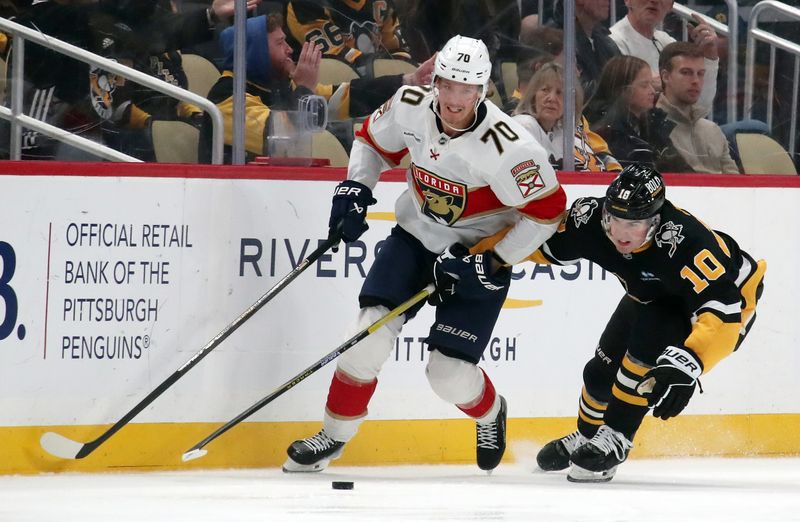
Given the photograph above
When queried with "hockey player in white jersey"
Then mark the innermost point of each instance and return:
(473, 172)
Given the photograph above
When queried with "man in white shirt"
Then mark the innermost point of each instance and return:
(636, 35)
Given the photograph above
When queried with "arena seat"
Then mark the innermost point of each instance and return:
(388, 67)
(325, 145)
(175, 141)
(761, 154)
(201, 73)
(493, 94)
(335, 71)
(509, 73)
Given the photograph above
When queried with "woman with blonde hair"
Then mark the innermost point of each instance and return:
(541, 112)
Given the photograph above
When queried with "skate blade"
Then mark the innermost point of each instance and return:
(290, 466)
(579, 474)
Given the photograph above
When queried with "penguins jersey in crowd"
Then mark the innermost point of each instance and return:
(461, 189)
(346, 29)
(267, 91)
(705, 270)
(591, 151)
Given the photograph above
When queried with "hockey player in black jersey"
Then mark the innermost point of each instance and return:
(690, 300)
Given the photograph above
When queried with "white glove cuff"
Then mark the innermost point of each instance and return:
(682, 360)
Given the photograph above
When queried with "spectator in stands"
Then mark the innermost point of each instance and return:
(531, 17)
(541, 112)
(276, 82)
(97, 104)
(68, 93)
(636, 35)
(427, 26)
(537, 46)
(351, 31)
(158, 33)
(701, 142)
(593, 45)
(622, 112)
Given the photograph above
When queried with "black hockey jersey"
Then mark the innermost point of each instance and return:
(704, 270)
(346, 29)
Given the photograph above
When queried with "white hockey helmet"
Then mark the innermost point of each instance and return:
(464, 60)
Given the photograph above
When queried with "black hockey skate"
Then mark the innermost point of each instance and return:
(312, 454)
(554, 456)
(597, 460)
(492, 440)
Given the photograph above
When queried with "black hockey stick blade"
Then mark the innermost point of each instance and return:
(66, 448)
(197, 450)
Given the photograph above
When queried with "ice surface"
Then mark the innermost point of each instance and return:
(763, 490)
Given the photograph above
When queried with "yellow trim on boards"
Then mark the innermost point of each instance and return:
(141, 447)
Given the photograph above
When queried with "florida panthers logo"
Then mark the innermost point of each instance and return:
(669, 234)
(440, 199)
(582, 211)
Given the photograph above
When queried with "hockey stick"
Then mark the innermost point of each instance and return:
(197, 451)
(66, 448)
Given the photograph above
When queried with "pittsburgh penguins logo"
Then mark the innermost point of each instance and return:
(582, 211)
(440, 199)
(102, 85)
(669, 234)
(366, 36)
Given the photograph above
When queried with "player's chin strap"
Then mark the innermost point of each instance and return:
(474, 109)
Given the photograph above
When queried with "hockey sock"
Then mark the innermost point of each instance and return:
(485, 406)
(591, 411)
(347, 397)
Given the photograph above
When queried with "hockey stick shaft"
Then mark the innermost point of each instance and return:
(71, 449)
(197, 451)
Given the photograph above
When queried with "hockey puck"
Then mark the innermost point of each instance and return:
(341, 485)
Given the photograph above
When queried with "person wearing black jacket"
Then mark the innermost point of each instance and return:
(593, 45)
(622, 111)
(94, 103)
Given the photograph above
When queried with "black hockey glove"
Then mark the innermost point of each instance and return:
(349, 208)
(669, 386)
(445, 282)
(456, 271)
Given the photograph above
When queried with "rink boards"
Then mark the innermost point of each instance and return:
(113, 276)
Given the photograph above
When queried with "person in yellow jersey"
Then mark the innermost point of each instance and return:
(276, 82)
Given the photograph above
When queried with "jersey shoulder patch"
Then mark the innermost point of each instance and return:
(668, 236)
(582, 211)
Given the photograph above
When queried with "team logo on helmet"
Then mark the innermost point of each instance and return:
(582, 210)
(669, 234)
(440, 199)
(528, 178)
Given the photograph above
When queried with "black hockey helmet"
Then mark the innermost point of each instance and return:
(637, 193)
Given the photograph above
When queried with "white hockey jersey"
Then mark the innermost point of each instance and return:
(465, 188)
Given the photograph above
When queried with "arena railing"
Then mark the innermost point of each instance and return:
(19, 120)
(685, 14)
(731, 31)
(775, 42)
